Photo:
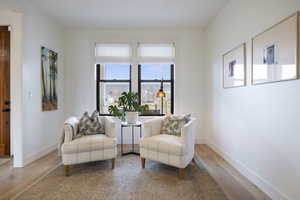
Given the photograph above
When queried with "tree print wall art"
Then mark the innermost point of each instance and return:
(49, 79)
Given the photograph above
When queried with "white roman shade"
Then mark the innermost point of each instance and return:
(156, 52)
(113, 52)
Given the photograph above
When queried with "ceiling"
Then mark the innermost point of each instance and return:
(131, 13)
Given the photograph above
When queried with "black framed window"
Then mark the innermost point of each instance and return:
(150, 79)
(112, 79)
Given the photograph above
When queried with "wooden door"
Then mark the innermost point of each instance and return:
(4, 90)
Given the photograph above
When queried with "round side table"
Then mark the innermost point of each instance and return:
(125, 124)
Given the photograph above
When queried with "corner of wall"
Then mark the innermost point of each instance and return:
(37, 155)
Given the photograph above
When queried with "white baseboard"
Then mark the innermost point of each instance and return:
(36, 155)
(252, 176)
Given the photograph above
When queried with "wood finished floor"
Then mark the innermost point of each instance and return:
(235, 186)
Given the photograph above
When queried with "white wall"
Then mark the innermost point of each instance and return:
(80, 93)
(256, 128)
(41, 129)
(38, 131)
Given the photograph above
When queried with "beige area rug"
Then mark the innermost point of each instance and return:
(97, 181)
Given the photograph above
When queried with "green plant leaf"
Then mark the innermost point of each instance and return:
(127, 102)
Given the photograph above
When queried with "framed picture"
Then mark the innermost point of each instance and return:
(269, 54)
(234, 67)
(49, 77)
(275, 52)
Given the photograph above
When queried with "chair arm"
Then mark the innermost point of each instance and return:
(69, 133)
(152, 127)
(70, 129)
(187, 134)
(110, 127)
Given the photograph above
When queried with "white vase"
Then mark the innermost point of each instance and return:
(132, 117)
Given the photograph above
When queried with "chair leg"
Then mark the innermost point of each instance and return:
(181, 173)
(143, 162)
(113, 163)
(67, 170)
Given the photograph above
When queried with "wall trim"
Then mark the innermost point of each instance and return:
(201, 140)
(252, 176)
(37, 155)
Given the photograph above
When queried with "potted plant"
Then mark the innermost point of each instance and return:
(127, 107)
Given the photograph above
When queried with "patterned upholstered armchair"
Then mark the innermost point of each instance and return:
(88, 148)
(177, 151)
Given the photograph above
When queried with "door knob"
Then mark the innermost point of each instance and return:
(6, 110)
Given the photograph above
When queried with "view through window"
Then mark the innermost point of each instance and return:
(118, 72)
(113, 80)
(152, 78)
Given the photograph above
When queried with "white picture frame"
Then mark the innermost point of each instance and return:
(275, 52)
(234, 67)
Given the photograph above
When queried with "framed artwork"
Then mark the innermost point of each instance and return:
(234, 67)
(275, 52)
(49, 78)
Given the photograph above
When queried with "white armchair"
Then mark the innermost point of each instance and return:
(177, 151)
(88, 148)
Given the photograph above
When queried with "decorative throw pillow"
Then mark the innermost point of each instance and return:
(95, 127)
(95, 114)
(83, 123)
(172, 124)
(90, 125)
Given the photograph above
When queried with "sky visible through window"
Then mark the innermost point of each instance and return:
(117, 71)
(155, 71)
(149, 71)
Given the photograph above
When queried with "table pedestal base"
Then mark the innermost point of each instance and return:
(130, 153)
(139, 124)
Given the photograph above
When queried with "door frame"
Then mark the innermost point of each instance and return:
(14, 20)
(7, 29)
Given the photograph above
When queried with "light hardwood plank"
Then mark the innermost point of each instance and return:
(15, 180)
(234, 185)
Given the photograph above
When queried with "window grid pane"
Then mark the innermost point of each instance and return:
(109, 94)
(155, 72)
(115, 72)
(113, 80)
(150, 79)
(148, 97)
